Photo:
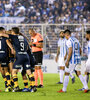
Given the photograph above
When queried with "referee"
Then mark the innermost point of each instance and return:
(37, 45)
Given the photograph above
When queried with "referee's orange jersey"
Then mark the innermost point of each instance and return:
(37, 39)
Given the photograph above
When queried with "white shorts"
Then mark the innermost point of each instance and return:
(88, 65)
(78, 67)
(70, 68)
(61, 61)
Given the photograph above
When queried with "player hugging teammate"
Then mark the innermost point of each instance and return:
(15, 54)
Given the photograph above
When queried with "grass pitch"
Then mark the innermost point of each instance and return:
(49, 92)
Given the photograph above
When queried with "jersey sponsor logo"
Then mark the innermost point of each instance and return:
(18, 66)
(21, 38)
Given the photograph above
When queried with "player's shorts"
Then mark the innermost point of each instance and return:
(22, 61)
(61, 61)
(88, 66)
(3, 60)
(70, 68)
(78, 67)
(11, 59)
(39, 57)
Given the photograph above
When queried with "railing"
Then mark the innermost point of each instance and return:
(50, 33)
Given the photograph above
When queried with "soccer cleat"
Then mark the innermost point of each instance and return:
(81, 89)
(61, 91)
(59, 83)
(85, 90)
(25, 90)
(33, 89)
(40, 86)
(8, 90)
(73, 80)
(17, 89)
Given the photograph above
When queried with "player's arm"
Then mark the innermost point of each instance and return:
(58, 52)
(80, 51)
(39, 45)
(11, 47)
(65, 56)
(4, 35)
(69, 56)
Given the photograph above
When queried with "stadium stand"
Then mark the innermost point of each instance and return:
(47, 11)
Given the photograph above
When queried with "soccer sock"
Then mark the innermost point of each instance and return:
(8, 79)
(25, 83)
(66, 80)
(61, 75)
(12, 82)
(36, 77)
(40, 73)
(32, 80)
(86, 78)
(15, 79)
(83, 81)
(5, 80)
(71, 75)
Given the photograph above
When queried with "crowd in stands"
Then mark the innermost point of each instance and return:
(47, 11)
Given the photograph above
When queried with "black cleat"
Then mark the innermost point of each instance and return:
(33, 89)
(17, 89)
(73, 80)
(40, 86)
(59, 83)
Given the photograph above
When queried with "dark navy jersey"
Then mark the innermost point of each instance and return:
(3, 45)
(20, 43)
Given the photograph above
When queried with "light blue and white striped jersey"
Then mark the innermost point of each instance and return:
(74, 43)
(89, 49)
(62, 45)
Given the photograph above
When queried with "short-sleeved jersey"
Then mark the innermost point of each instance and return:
(74, 43)
(89, 49)
(20, 44)
(62, 45)
(3, 45)
(36, 40)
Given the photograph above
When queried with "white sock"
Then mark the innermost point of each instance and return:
(66, 80)
(71, 75)
(86, 77)
(61, 73)
(83, 81)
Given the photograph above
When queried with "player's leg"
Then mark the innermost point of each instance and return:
(4, 77)
(61, 74)
(25, 81)
(83, 81)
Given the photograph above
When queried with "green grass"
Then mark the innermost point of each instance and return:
(48, 92)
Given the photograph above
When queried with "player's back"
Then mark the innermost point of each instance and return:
(20, 43)
(76, 57)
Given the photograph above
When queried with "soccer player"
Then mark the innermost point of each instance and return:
(73, 59)
(87, 71)
(37, 45)
(61, 52)
(4, 59)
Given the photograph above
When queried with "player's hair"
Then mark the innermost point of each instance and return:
(32, 29)
(67, 31)
(88, 32)
(2, 28)
(16, 30)
(61, 32)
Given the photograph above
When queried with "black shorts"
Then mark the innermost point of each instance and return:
(38, 57)
(22, 61)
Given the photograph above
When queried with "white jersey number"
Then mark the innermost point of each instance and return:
(22, 46)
